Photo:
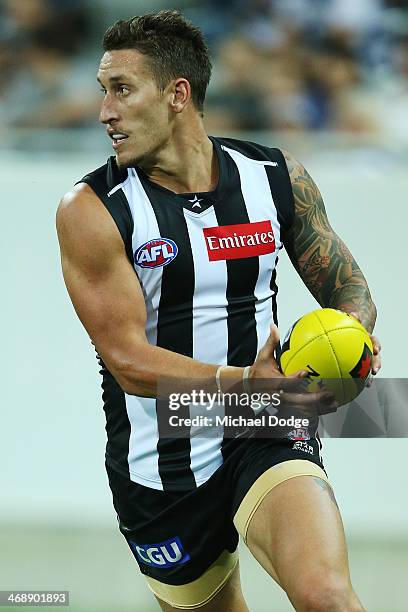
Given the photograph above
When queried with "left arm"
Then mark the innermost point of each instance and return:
(321, 258)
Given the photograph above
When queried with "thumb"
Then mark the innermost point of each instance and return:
(272, 342)
(274, 336)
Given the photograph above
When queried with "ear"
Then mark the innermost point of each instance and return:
(180, 94)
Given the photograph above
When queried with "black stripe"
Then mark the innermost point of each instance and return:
(118, 427)
(278, 176)
(117, 422)
(242, 278)
(281, 190)
(274, 287)
(175, 333)
(242, 275)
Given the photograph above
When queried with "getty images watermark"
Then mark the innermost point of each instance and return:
(378, 411)
(256, 403)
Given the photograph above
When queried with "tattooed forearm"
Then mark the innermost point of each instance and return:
(356, 298)
(322, 259)
(325, 487)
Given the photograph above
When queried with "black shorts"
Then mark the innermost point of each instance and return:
(176, 536)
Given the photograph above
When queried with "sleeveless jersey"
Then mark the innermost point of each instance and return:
(206, 263)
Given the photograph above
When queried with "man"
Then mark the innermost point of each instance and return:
(169, 254)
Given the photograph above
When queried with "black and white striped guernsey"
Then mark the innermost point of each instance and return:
(206, 263)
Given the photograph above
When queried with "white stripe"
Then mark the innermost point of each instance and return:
(143, 456)
(210, 335)
(260, 207)
(115, 189)
(145, 228)
(253, 161)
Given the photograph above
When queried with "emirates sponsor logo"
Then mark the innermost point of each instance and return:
(239, 241)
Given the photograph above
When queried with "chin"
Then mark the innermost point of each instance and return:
(126, 161)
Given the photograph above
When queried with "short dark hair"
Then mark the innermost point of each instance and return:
(175, 47)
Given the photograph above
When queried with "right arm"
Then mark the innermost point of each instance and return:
(109, 301)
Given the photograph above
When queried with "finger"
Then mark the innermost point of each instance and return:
(376, 364)
(295, 405)
(274, 335)
(376, 345)
(299, 374)
(288, 384)
(307, 398)
(314, 409)
(330, 408)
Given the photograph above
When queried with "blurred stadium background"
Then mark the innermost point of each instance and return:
(326, 79)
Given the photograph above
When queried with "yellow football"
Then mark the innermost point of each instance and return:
(334, 348)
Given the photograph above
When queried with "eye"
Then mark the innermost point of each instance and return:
(123, 90)
(103, 90)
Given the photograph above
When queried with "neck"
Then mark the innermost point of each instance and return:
(188, 162)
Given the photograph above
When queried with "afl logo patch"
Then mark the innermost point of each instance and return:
(156, 253)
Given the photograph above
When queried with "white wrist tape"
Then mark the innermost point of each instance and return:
(245, 378)
(218, 377)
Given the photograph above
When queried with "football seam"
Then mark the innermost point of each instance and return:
(315, 338)
(335, 356)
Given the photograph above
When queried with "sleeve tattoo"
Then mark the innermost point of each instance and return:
(321, 258)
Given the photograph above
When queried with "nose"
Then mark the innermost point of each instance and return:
(108, 112)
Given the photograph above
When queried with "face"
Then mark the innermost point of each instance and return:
(134, 110)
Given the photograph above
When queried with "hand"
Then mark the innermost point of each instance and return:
(376, 359)
(265, 376)
(266, 366)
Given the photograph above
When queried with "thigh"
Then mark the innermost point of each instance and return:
(297, 534)
(184, 542)
(228, 599)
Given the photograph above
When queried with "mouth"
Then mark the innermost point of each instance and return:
(118, 138)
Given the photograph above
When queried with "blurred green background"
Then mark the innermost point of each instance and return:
(57, 524)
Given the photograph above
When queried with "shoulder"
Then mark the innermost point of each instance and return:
(295, 168)
(252, 150)
(97, 207)
(77, 204)
(90, 192)
(85, 229)
(261, 152)
(84, 194)
(105, 178)
(305, 191)
(292, 164)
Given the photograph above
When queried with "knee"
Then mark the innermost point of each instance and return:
(326, 594)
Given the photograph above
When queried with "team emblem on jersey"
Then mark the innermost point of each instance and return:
(299, 434)
(156, 253)
(239, 241)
